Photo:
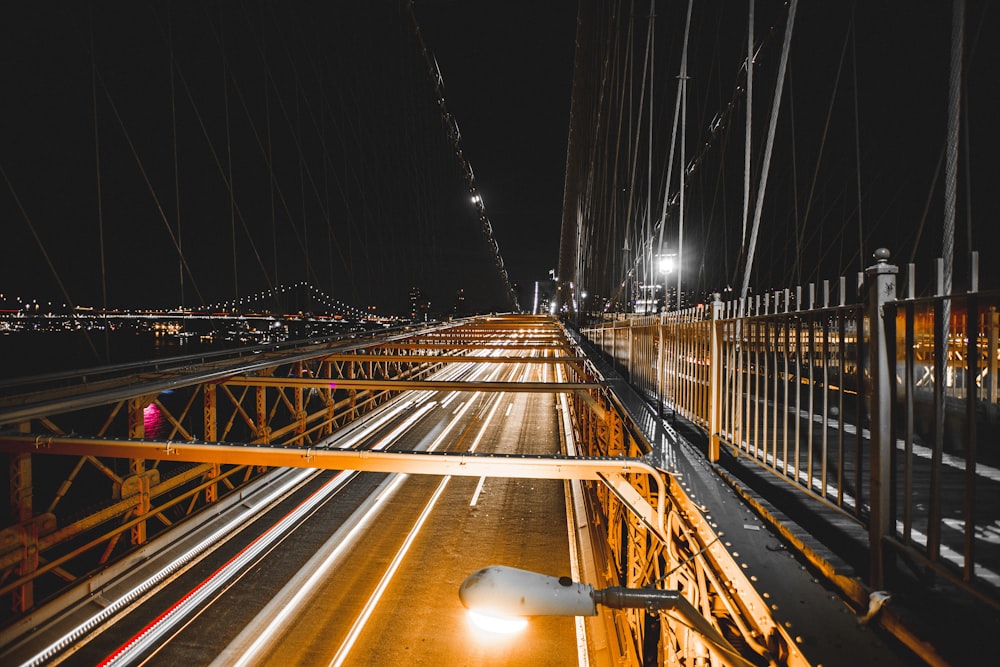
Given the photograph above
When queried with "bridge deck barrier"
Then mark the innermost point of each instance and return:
(871, 410)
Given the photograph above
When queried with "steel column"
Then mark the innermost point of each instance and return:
(880, 281)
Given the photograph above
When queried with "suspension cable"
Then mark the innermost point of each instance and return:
(470, 180)
(765, 167)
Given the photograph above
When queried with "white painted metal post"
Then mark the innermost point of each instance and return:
(880, 280)
(715, 381)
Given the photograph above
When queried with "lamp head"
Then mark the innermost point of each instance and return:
(509, 592)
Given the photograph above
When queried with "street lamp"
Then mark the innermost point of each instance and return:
(506, 593)
(667, 264)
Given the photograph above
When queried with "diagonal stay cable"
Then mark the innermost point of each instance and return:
(45, 254)
(149, 185)
(225, 179)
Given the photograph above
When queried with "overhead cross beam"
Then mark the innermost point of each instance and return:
(452, 358)
(408, 385)
(608, 469)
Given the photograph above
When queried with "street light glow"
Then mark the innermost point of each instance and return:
(501, 625)
(509, 593)
(667, 264)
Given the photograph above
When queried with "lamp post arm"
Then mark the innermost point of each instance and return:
(654, 599)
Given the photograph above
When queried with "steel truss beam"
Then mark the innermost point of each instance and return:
(409, 385)
(606, 469)
(630, 550)
(288, 397)
(452, 358)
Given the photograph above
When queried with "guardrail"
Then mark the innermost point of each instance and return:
(864, 402)
(684, 554)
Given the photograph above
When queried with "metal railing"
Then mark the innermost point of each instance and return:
(684, 554)
(862, 401)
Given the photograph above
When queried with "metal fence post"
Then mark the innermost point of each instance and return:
(661, 360)
(715, 381)
(880, 280)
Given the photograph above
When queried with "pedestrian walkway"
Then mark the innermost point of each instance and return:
(829, 630)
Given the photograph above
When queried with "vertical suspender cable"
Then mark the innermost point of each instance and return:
(633, 206)
(97, 160)
(966, 130)
(749, 127)
(97, 164)
(302, 176)
(270, 186)
(650, 270)
(683, 175)
(803, 224)
(229, 158)
(968, 167)
(765, 167)
(100, 203)
(673, 133)
(177, 180)
(857, 146)
(951, 159)
(942, 332)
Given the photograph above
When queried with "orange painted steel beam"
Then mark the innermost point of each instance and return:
(407, 385)
(474, 346)
(598, 468)
(448, 358)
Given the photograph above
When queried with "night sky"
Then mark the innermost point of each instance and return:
(856, 161)
(302, 141)
(284, 142)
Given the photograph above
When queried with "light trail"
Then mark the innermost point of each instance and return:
(373, 600)
(367, 429)
(359, 623)
(280, 615)
(150, 636)
(479, 489)
(76, 637)
(83, 633)
(265, 634)
(573, 487)
(397, 432)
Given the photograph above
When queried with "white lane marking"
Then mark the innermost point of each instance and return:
(479, 489)
(280, 612)
(582, 654)
(79, 635)
(359, 623)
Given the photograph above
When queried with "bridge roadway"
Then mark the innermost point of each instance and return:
(348, 568)
(344, 568)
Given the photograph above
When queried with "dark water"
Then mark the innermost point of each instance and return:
(25, 353)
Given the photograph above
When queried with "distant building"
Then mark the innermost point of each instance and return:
(420, 305)
(459, 308)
